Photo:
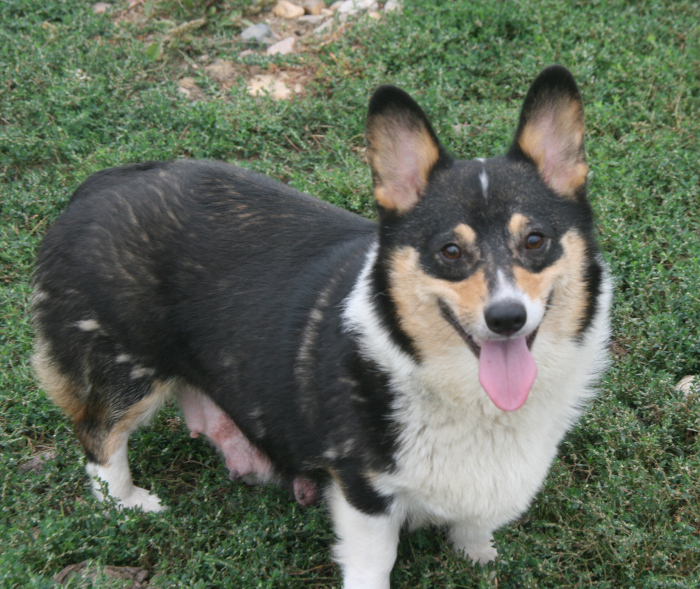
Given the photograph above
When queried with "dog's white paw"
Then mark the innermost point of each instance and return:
(143, 500)
(481, 555)
(475, 545)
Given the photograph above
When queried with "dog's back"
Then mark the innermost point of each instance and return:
(179, 270)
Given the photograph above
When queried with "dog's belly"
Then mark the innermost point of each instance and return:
(242, 458)
(203, 416)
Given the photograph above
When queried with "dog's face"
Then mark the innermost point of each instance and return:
(486, 253)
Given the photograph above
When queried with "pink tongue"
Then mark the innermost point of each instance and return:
(507, 372)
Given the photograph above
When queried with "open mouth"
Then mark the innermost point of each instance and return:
(468, 339)
(507, 370)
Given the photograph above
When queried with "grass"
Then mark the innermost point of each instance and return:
(621, 506)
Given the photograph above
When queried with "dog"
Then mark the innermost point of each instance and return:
(420, 369)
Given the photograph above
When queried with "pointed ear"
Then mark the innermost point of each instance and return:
(402, 149)
(550, 132)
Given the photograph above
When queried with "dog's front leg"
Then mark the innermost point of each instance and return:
(473, 542)
(366, 546)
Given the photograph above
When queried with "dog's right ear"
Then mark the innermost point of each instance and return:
(402, 147)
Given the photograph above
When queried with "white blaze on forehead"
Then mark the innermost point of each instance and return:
(483, 178)
(88, 325)
(484, 183)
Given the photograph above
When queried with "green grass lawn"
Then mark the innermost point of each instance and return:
(621, 506)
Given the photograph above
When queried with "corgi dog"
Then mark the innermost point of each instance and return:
(420, 369)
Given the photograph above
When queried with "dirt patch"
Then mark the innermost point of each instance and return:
(37, 463)
(271, 28)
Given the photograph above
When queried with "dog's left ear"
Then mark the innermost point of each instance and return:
(402, 148)
(550, 131)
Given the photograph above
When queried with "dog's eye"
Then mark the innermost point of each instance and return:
(452, 251)
(534, 241)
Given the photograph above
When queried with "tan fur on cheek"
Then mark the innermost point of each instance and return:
(416, 296)
(565, 279)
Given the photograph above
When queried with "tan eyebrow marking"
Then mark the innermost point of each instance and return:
(517, 224)
(466, 233)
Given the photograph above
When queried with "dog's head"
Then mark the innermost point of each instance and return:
(485, 253)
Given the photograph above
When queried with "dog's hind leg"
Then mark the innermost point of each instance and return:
(111, 465)
(105, 410)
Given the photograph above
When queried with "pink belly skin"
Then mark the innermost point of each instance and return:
(243, 460)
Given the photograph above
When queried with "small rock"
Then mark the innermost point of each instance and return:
(337, 4)
(221, 71)
(69, 571)
(136, 575)
(687, 384)
(100, 7)
(246, 53)
(189, 89)
(283, 47)
(392, 5)
(286, 9)
(319, 30)
(326, 12)
(187, 83)
(313, 7)
(260, 33)
(36, 463)
(265, 84)
(347, 7)
(355, 6)
(311, 19)
(375, 15)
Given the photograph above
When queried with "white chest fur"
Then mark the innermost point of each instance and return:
(462, 459)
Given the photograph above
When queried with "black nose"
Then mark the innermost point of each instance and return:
(505, 318)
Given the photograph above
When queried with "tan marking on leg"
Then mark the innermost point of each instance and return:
(63, 391)
(416, 296)
(565, 278)
(138, 414)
